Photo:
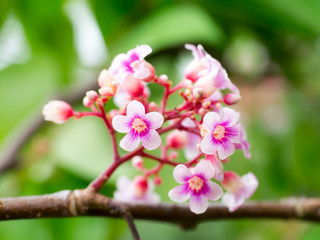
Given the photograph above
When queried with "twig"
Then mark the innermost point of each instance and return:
(88, 203)
(128, 217)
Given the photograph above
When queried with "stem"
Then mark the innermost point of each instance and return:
(111, 131)
(161, 160)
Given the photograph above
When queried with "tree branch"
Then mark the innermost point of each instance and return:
(88, 203)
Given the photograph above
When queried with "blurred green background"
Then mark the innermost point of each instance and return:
(270, 48)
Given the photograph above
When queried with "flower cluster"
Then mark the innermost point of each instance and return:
(201, 130)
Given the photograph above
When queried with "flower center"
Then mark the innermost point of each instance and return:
(195, 183)
(139, 125)
(219, 132)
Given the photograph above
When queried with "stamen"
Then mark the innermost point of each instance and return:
(219, 132)
(195, 183)
(139, 125)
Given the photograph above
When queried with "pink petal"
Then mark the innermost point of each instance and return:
(207, 145)
(187, 122)
(116, 63)
(216, 96)
(191, 151)
(210, 120)
(123, 182)
(205, 169)
(230, 115)
(251, 183)
(179, 194)
(151, 140)
(121, 99)
(141, 72)
(121, 124)
(233, 133)
(215, 192)
(143, 51)
(155, 119)
(198, 203)
(230, 201)
(225, 149)
(135, 108)
(130, 141)
(181, 173)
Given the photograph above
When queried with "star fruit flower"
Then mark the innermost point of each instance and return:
(224, 131)
(139, 126)
(196, 185)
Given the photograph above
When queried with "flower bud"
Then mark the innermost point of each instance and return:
(198, 93)
(206, 83)
(163, 79)
(57, 111)
(206, 104)
(137, 162)
(173, 155)
(106, 91)
(153, 106)
(202, 111)
(86, 102)
(92, 95)
(140, 186)
(177, 139)
(133, 86)
(106, 78)
(157, 180)
(195, 70)
(114, 112)
(231, 98)
(232, 181)
(150, 68)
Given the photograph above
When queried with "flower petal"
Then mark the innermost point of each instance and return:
(143, 51)
(230, 115)
(187, 122)
(130, 141)
(210, 120)
(155, 120)
(181, 173)
(121, 124)
(208, 146)
(151, 140)
(123, 182)
(205, 169)
(214, 191)
(179, 194)
(190, 150)
(251, 183)
(135, 108)
(225, 149)
(198, 203)
(141, 72)
(230, 201)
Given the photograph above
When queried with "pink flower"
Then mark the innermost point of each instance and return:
(244, 145)
(224, 131)
(207, 72)
(239, 189)
(133, 64)
(217, 165)
(139, 127)
(140, 190)
(196, 185)
(57, 111)
(177, 139)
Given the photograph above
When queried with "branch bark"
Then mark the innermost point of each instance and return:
(88, 203)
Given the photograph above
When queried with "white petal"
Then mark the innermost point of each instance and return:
(121, 123)
(181, 173)
(230, 201)
(143, 51)
(187, 122)
(142, 72)
(135, 108)
(207, 145)
(151, 140)
(225, 149)
(179, 194)
(251, 183)
(205, 169)
(198, 203)
(155, 119)
(191, 151)
(215, 192)
(230, 115)
(130, 141)
(210, 120)
(123, 182)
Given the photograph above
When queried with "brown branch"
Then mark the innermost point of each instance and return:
(88, 203)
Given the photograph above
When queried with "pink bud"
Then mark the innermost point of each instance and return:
(198, 93)
(133, 86)
(177, 139)
(202, 111)
(106, 91)
(57, 111)
(206, 83)
(173, 155)
(187, 83)
(86, 102)
(153, 106)
(114, 112)
(163, 79)
(231, 98)
(152, 71)
(157, 180)
(206, 104)
(92, 95)
(106, 78)
(137, 162)
(140, 186)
